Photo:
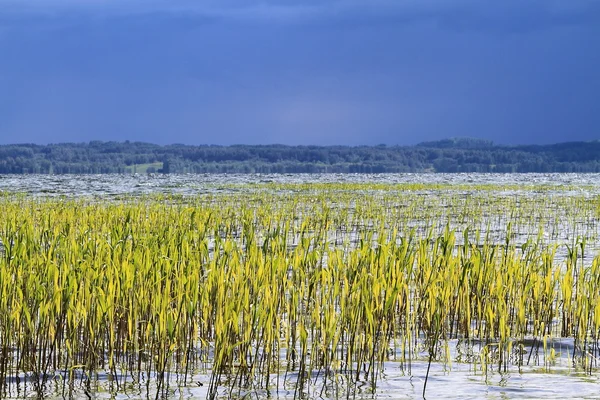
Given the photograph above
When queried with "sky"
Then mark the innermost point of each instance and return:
(299, 72)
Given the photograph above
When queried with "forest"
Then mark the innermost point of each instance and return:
(448, 155)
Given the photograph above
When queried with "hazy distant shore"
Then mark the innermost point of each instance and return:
(450, 155)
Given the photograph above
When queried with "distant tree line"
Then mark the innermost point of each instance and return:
(449, 155)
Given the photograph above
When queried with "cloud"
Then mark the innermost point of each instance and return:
(337, 71)
(465, 15)
(519, 15)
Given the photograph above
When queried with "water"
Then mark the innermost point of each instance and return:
(193, 184)
(455, 380)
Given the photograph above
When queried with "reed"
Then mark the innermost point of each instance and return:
(293, 286)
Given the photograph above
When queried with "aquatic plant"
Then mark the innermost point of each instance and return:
(293, 286)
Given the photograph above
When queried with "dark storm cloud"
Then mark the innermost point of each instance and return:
(507, 15)
(319, 72)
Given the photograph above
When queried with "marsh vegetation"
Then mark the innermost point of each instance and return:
(299, 290)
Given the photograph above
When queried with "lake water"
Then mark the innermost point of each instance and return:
(456, 380)
(190, 184)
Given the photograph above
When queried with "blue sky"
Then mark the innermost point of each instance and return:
(299, 72)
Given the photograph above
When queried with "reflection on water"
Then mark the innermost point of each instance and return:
(456, 381)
